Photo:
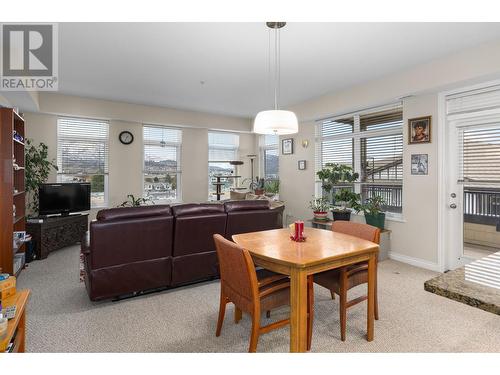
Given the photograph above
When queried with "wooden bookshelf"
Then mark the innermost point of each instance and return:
(12, 186)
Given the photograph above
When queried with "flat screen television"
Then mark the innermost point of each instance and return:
(64, 198)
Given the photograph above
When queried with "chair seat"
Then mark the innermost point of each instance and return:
(331, 279)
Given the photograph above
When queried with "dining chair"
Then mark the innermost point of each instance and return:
(339, 281)
(250, 290)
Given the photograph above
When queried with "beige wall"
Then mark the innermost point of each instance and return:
(415, 238)
(126, 161)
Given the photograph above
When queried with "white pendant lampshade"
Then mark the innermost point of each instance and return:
(275, 122)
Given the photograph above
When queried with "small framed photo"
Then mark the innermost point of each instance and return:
(419, 164)
(302, 165)
(419, 130)
(287, 146)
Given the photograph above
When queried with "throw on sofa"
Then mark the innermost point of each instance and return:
(142, 248)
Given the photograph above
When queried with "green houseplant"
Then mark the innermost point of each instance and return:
(132, 201)
(38, 168)
(320, 207)
(333, 178)
(374, 212)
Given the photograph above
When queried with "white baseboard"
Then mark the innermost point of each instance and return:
(414, 261)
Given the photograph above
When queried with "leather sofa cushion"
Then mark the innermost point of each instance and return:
(120, 213)
(246, 205)
(252, 221)
(194, 234)
(195, 267)
(192, 209)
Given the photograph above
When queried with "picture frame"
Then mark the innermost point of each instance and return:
(287, 146)
(419, 164)
(302, 165)
(419, 130)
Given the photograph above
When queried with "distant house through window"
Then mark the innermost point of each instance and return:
(82, 155)
(162, 163)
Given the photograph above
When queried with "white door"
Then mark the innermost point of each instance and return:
(472, 175)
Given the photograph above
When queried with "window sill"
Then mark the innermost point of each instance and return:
(395, 218)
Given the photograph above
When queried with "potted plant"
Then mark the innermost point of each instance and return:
(334, 176)
(37, 171)
(259, 186)
(320, 207)
(373, 210)
(345, 201)
(272, 188)
(132, 201)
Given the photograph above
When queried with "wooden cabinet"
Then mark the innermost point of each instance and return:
(12, 185)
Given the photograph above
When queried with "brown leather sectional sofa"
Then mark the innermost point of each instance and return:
(143, 248)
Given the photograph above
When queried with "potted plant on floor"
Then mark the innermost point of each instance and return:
(320, 207)
(373, 210)
(336, 181)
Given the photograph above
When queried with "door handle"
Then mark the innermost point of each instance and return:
(453, 205)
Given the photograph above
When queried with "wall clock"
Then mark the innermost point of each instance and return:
(126, 137)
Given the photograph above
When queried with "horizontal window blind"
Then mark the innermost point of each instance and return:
(382, 158)
(381, 120)
(473, 100)
(336, 127)
(222, 146)
(479, 154)
(82, 146)
(161, 149)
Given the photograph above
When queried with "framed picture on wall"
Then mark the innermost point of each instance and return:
(287, 146)
(419, 130)
(302, 165)
(419, 164)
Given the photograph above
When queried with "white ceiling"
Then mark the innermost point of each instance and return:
(163, 63)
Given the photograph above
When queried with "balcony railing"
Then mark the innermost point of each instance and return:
(482, 205)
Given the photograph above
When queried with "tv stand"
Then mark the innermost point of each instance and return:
(56, 232)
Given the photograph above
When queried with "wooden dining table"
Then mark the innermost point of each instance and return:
(322, 250)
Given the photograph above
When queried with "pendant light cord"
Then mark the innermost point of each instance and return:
(276, 68)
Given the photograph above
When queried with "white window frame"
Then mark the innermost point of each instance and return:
(357, 135)
(262, 154)
(178, 173)
(236, 154)
(106, 174)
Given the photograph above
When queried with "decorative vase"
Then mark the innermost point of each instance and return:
(320, 215)
(377, 220)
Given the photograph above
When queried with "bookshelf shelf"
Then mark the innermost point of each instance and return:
(11, 179)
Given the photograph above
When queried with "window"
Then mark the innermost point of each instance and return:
(222, 148)
(82, 155)
(372, 144)
(162, 163)
(269, 156)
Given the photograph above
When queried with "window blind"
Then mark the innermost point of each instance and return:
(161, 149)
(381, 120)
(474, 100)
(82, 146)
(382, 158)
(222, 146)
(479, 154)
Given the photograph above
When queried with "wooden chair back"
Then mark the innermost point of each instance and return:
(360, 230)
(237, 274)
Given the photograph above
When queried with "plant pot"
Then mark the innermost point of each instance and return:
(377, 220)
(341, 215)
(320, 215)
(259, 191)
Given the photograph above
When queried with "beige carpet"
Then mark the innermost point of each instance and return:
(62, 319)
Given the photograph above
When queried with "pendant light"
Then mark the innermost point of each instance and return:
(276, 121)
